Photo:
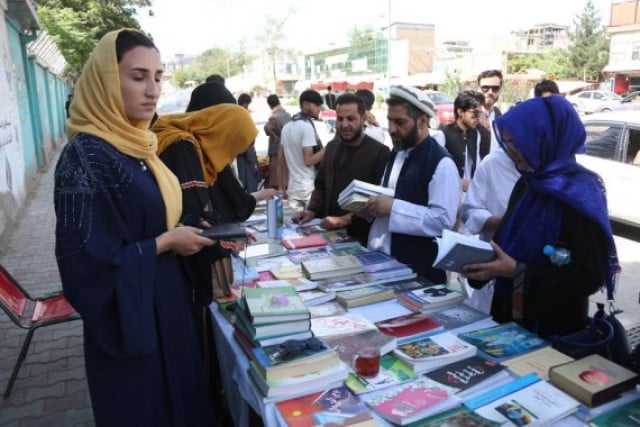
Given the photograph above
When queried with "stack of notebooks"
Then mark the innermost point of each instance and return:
(430, 298)
(272, 315)
(355, 195)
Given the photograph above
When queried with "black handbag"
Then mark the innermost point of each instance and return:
(603, 335)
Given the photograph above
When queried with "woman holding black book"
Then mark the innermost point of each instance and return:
(556, 203)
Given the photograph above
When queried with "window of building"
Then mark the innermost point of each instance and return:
(635, 52)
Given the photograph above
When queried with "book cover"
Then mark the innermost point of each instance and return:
(586, 413)
(253, 253)
(593, 380)
(267, 330)
(327, 309)
(366, 295)
(434, 351)
(315, 297)
(456, 417)
(299, 255)
(373, 257)
(538, 362)
(335, 237)
(538, 404)
(336, 407)
(431, 297)
(347, 248)
(411, 401)
(299, 284)
(295, 358)
(308, 230)
(501, 391)
(467, 375)
(301, 242)
(278, 304)
(288, 272)
(392, 371)
(460, 315)
(504, 341)
(408, 326)
(347, 324)
(455, 250)
(623, 416)
(348, 345)
(330, 267)
(275, 217)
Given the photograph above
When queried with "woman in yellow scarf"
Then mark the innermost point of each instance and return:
(117, 206)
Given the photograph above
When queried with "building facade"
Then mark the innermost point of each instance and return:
(624, 51)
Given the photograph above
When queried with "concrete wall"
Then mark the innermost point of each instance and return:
(32, 98)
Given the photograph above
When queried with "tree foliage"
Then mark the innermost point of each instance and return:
(589, 50)
(213, 61)
(77, 25)
(555, 62)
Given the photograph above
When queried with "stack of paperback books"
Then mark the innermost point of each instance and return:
(430, 298)
(434, 351)
(272, 315)
(355, 195)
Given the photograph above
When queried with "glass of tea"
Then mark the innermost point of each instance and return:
(366, 362)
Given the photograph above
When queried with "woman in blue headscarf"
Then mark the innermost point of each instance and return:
(556, 202)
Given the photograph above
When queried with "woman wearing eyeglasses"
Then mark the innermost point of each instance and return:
(555, 202)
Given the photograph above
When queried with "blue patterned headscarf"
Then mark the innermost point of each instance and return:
(548, 133)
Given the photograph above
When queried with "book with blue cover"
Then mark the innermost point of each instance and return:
(504, 341)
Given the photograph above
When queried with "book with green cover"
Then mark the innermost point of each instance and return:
(623, 416)
(456, 417)
(272, 305)
(392, 371)
(366, 295)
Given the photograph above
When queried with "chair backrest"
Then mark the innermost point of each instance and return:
(13, 297)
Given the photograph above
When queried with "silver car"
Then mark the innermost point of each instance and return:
(596, 101)
(613, 151)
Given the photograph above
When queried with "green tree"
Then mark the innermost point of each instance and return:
(77, 25)
(589, 49)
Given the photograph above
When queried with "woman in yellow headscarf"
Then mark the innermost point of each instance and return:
(117, 208)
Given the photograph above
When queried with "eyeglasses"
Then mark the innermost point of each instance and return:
(494, 88)
(291, 348)
(475, 113)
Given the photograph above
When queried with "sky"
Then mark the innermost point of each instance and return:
(192, 26)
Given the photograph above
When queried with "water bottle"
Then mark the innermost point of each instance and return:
(558, 256)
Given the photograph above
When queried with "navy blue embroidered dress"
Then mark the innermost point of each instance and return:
(143, 360)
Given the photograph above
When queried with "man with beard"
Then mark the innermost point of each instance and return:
(352, 155)
(490, 84)
(300, 151)
(426, 184)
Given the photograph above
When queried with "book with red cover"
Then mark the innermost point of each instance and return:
(304, 241)
(337, 406)
(410, 326)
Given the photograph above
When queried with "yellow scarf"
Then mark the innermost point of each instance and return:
(97, 109)
(219, 133)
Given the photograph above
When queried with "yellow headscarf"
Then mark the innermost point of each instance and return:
(97, 109)
(219, 134)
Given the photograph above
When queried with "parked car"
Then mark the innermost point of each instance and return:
(444, 102)
(596, 101)
(613, 152)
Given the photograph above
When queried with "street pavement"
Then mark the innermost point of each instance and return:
(51, 388)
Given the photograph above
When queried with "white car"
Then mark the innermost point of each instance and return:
(597, 101)
(613, 152)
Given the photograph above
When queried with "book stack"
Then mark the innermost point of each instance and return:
(593, 380)
(331, 267)
(382, 266)
(356, 195)
(430, 298)
(273, 313)
(302, 242)
(365, 295)
(462, 318)
(435, 351)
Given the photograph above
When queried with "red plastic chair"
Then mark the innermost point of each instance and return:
(30, 313)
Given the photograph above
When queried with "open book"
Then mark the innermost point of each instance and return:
(456, 250)
(355, 196)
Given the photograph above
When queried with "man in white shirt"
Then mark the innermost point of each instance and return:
(426, 184)
(300, 151)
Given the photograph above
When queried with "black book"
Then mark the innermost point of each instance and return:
(229, 231)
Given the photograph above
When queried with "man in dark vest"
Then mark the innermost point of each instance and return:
(351, 155)
(426, 183)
